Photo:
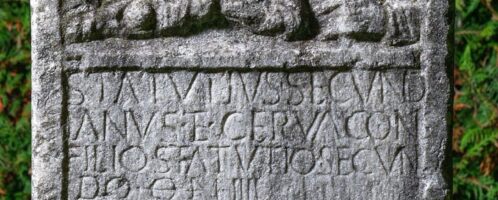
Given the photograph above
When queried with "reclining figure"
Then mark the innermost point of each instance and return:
(361, 20)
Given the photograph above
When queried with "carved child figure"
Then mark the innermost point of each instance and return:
(166, 17)
(266, 17)
(173, 17)
(136, 19)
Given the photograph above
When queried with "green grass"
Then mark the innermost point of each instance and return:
(475, 133)
(15, 91)
(475, 137)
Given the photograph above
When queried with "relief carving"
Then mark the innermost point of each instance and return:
(360, 19)
(394, 21)
(271, 17)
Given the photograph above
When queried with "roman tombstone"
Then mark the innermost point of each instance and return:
(241, 99)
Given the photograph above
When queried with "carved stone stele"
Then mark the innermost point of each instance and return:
(241, 99)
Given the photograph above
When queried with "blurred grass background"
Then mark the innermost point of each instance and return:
(15, 91)
(475, 129)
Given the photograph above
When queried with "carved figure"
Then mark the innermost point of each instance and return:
(178, 16)
(266, 17)
(166, 17)
(359, 19)
(393, 21)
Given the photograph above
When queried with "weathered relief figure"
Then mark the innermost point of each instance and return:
(266, 17)
(137, 19)
(395, 21)
(179, 16)
(145, 18)
(359, 19)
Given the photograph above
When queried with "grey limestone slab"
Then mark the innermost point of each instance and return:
(241, 99)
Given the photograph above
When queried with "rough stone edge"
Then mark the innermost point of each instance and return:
(437, 64)
(47, 133)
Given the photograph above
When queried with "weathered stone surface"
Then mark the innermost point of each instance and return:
(241, 99)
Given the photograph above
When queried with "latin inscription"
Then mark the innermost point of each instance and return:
(241, 99)
(240, 135)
